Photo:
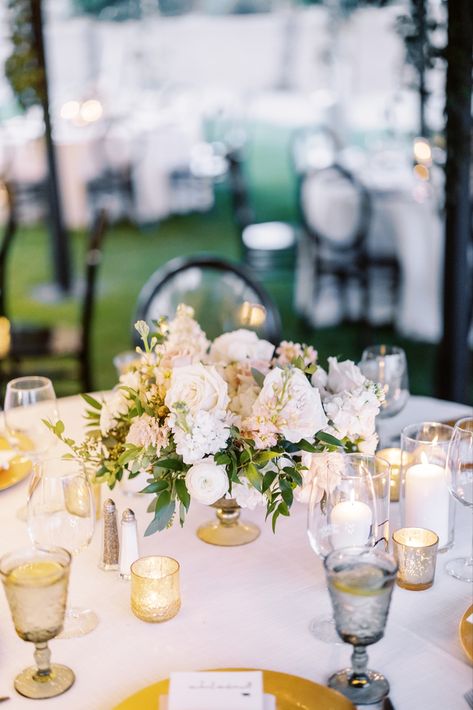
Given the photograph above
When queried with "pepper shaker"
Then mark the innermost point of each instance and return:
(110, 546)
(128, 543)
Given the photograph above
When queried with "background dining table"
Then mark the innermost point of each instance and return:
(247, 607)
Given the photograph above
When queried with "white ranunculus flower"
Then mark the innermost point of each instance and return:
(291, 404)
(199, 387)
(343, 376)
(319, 380)
(206, 481)
(240, 345)
(247, 496)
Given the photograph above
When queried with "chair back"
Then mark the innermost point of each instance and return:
(223, 295)
(8, 235)
(243, 212)
(335, 209)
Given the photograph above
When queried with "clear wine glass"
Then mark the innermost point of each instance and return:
(387, 365)
(342, 513)
(61, 511)
(35, 583)
(29, 400)
(459, 470)
(360, 581)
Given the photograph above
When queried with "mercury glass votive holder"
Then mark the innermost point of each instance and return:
(155, 590)
(415, 550)
(393, 457)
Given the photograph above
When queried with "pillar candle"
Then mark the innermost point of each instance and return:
(352, 521)
(427, 499)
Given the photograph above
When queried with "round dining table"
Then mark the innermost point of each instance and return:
(242, 607)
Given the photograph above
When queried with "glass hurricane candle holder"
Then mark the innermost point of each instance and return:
(425, 500)
(415, 550)
(393, 457)
(155, 591)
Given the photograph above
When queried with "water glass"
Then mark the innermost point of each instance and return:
(61, 511)
(387, 366)
(360, 582)
(35, 583)
(459, 469)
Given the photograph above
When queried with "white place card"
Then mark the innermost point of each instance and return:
(238, 690)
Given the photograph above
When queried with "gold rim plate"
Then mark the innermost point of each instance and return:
(292, 693)
(466, 633)
(18, 469)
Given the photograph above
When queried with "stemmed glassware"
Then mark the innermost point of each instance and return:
(61, 512)
(35, 583)
(459, 469)
(387, 365)
(29, 400)
(342, 512)
(360, 582)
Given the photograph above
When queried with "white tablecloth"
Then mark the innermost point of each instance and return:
(242, 607)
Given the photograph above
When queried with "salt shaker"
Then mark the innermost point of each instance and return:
(128, 544)
(110, 546)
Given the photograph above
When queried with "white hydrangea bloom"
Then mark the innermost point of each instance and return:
(198, 435)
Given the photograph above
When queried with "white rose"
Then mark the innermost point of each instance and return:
(240, 345)
(206, 481)
(343, 376)
(200, 387)
(289, 401)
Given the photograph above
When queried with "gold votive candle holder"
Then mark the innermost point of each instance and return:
(393, 457)
(415, 550)
(155, 589)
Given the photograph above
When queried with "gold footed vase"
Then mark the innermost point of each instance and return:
(227, 530)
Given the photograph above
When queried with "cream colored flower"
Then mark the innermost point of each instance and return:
(206, 481)
(198, 387)
(291, 404)
(240, 345)
(343, 376)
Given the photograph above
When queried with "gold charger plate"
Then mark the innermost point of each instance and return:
(292, 693)
(18, 469)
(466, 633)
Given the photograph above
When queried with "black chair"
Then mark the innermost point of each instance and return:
(335, 210)
(266, 246)
(54, 345)
(224, 297)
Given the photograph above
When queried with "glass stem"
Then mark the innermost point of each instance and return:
(42, 656)
(359, 663)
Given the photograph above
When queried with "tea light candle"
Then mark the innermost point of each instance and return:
(427, 499)
(351, 521)
(393, 457)
(155, 594)
(415, 550)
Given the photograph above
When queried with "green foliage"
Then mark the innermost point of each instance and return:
(23, 68)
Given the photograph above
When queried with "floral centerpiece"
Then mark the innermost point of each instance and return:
(234, 418)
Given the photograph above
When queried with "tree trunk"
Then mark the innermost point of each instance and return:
(454, 357)
(59, 236)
